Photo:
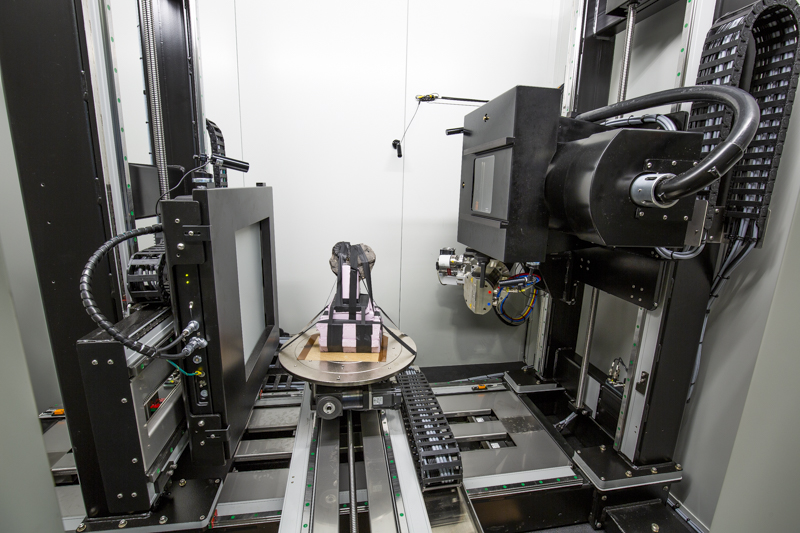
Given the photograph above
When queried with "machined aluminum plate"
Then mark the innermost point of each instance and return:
(346, 373)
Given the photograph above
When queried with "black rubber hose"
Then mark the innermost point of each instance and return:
(746, 116)
(88, 298)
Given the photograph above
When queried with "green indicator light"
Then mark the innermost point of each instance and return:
(309, 485)
(540, 481)
(312, 453)
(388, 447)
(398, 494)
(344, 505)
(505, 487)
(119, 101)
(233, 517)
(311, 469)
(307, 504)
(394, 477)
(574, 477)
(313, 440)
(158, 471)
(142, 366)
(634, 345)
(126, 158)
(170, 450)
(682, 49)
(115, 70)
(487, 488)
(112, 39)
(391, 461)
(129, 185)
(366, 503)
(108, 6)
(557, 479)
(401, 514)
(305, 525)
(131, 212)
(679, 74)
(255, 515)
(122, 130)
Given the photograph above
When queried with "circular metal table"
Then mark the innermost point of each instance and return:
(346, 373)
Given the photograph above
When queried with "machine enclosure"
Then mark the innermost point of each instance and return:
(526, 172)
(518, 129)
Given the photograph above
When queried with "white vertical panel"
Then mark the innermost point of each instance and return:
(321, 88)
(217, 23)
(128, 50)
(466, 49)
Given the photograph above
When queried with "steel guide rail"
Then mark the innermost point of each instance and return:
(432, 441)
(772, 25)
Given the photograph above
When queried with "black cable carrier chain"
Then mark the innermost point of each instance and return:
(432, 441)
(769, 29)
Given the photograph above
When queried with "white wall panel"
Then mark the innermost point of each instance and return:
(217, 25)
(321, 100)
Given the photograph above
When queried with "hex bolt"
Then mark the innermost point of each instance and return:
(182, 483)
(124, 400)
(122, 523)
(162, 520)
(181, 246)
(628, 473)
(95, 363)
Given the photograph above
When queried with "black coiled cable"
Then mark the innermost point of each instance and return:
(88, 298)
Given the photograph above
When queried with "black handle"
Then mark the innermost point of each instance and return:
(396, 146)
(233, 164)
(456, 131)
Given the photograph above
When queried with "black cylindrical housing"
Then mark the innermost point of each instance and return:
(588, 187)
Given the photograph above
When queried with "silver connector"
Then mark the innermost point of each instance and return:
(643, 190)
(190, 328)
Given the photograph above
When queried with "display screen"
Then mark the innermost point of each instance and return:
(251, 286)
(482, 185)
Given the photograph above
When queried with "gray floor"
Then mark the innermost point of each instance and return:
(580, 528)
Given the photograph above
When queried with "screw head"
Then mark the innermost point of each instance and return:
(81, 528)
(191, 234)
(654, 527)
(124, 400)
(110, 361)
(202, 517)
(177, 221)
(678, 467)
(202, 443)
(119, 496)
(641, 213)
(197, 359)
(134, 460)
(182, 483)
(122, 523)
(654, 470)
(598, 525)
(604, 498)
(216, 481)
(95, 363)
(649, 165)
(201, 423)
(602, 479)
(628, 473)
(666, 488)
(485, 119)
(664, 217)
(162, 520)
(181, 246)
(602, 447)
(133, 494)
(674, 163)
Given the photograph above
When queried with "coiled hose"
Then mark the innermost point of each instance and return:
(88, 298)
(746, 116)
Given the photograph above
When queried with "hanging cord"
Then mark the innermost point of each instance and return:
(736, 254)
(176, 186)
(92, 309)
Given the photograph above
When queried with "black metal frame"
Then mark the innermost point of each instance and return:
(48, 92)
